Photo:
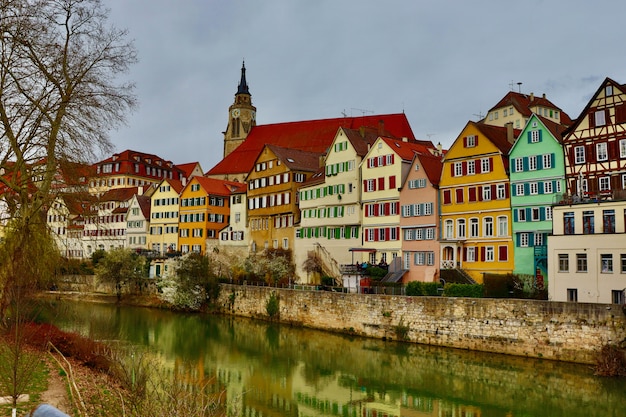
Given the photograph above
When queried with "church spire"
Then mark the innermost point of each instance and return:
(243, 85)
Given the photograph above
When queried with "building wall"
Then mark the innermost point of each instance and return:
(540, 329)
(333, 208)
(525, 197)
(380, 184)
(462, 199)
(588, 267)
(419, 226)
(164, 211)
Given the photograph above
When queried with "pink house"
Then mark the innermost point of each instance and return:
(419, 219)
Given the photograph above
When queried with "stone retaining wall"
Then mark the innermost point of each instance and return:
(542, 329)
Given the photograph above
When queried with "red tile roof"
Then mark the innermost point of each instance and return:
(219, 187)
(188, 168)
(297, 160)
(407, 150)
(311, 136)
(432, 165)
(498, 135)
(524, 102)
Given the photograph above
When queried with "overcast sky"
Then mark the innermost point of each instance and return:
(442, 63)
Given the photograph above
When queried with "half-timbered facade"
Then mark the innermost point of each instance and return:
(595, 146)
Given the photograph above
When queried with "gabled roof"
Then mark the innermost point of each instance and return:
(177, 185)
(311, 136)
(144, 205)
(189, 168)
(555, 129)
(523, 104)
(432, 165)
(497, 135)
(119, 194)
(319, 177)
(218, 187)
(297, 160)
(361, 139)
(407, 150)
(583, 113)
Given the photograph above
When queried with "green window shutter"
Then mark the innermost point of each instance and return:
(540, 187)
(525, 163)
(337, 233)
(529, 135)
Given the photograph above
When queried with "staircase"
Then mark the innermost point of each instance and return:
(456, 275)
(330, 267)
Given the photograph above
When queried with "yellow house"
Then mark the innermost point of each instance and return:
(204, 211)
(163, 233)
(383, 171)
(475, 205)
(272, 195)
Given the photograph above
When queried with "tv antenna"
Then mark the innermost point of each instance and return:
(363, 111)
(480, 115)
(344, 113)
(430, 135)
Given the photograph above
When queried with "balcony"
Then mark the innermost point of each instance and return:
(589, 197)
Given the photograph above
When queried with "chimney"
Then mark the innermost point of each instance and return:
(532, 96)
(381, 127)
(321, 161)
(439, 149)
(510, 135)
(362, 131)
(543, 95)
(140, 190)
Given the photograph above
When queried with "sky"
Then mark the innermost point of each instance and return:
(441, 62)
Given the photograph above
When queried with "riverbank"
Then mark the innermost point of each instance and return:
(572, 332)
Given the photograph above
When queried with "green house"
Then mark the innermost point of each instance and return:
(537, 175)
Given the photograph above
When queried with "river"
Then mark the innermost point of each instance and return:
(278, 370)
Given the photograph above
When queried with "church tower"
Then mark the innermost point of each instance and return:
(241, 116)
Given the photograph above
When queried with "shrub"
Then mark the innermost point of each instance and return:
(611, 361)
(272, 306)
(417, 288)
(463, 290)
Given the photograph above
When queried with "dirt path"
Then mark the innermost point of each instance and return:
(56, 394)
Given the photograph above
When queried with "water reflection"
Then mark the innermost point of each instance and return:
(272, 370)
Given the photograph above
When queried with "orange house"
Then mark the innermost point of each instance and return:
(204, 210)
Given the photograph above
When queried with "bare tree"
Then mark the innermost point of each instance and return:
(60, 94)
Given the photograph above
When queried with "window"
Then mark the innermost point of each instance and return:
(606, 263)
(617, 296)
(563, 262)
(534, 188)
(486, 193)
(523, 240)
(501, 191)
(546, 161)
(568, 223)
(548, 213)
(539, 239)
(604, 183)
(534, 136)
(601, 151)
(471, 254)
(622, 148)
(547, 187)
(474, 227)
(488, 226)
(460, 228)
(407, 260)
(579, 154)
(581, 262)
(519, 189)
(521, 215)
(471, 141)
(534, 213)
(449, 229)
(519, 164)
(471, 167)
(485, 165)
(458, 169)
(489, 254)
(503, 226)
(285, 243)
(532, 163)
(608, 221)
(623, 262)
(588, 222)
(599, 117)
(572, 295)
